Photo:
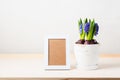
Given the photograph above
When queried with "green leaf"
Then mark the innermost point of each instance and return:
(79, 22)
(85, 21)
(89, 20)
(90, 33)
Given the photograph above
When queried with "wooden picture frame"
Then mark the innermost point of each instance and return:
(56, 50)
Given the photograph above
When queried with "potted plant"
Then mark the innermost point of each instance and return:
(86, 49)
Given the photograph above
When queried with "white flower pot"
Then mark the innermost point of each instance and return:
(87, 56)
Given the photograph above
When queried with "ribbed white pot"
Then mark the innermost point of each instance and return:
(87, 56)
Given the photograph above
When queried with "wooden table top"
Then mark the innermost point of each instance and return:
(32, 66)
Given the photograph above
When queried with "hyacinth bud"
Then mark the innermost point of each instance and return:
(96, 29)
(80, 29)
(87, 26)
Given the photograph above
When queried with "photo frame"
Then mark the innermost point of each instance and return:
(56, 49)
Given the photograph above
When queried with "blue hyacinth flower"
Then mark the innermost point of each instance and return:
(81, 29)
(87, 26)
(96, 29)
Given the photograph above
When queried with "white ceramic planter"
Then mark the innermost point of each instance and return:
(87, 56)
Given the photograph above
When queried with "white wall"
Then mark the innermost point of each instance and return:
(24, 23)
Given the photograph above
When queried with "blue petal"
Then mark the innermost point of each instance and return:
(87, 26)
(96, 29)
(81, 29)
